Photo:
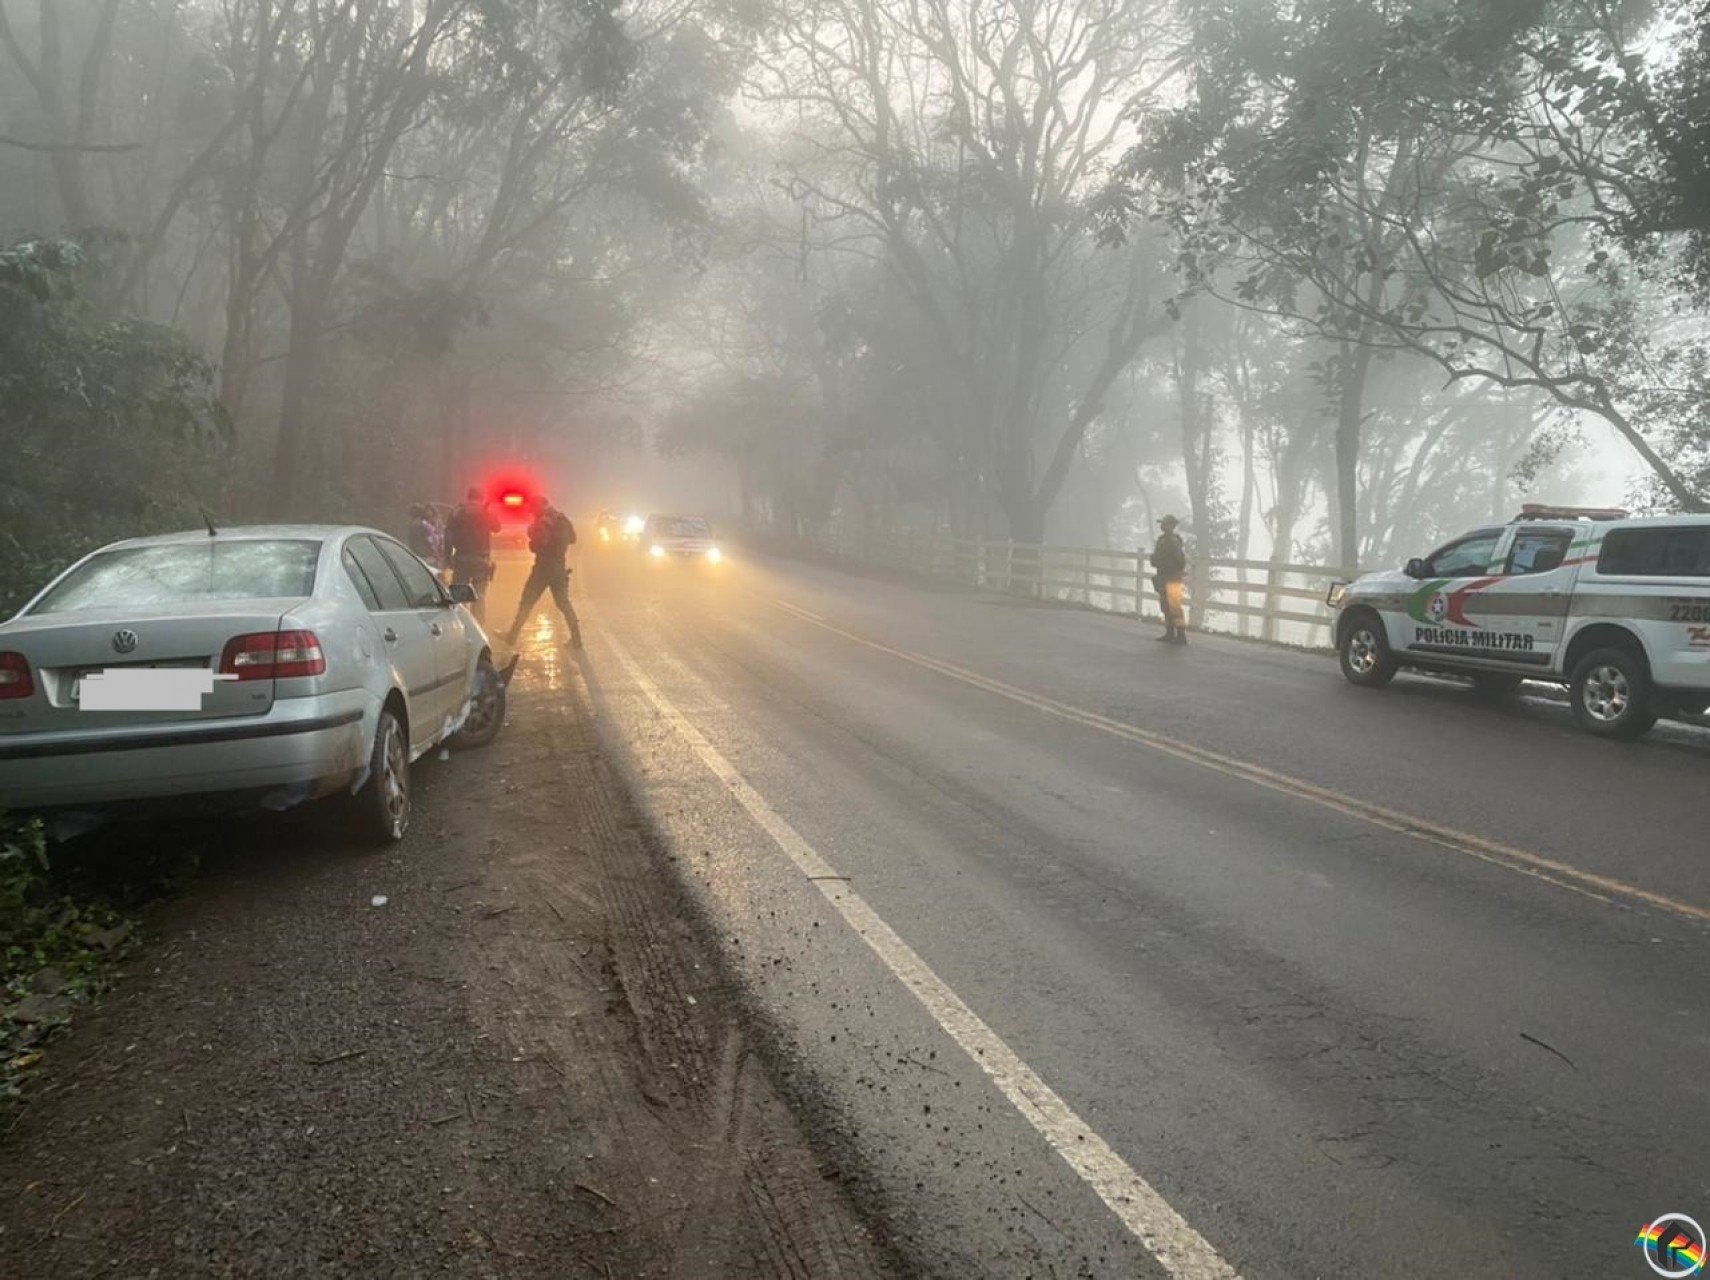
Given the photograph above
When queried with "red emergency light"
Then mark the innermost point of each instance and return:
(512, 498)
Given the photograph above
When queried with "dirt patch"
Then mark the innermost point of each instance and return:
(523, 1063)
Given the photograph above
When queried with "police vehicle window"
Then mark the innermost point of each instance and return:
(1539, 550)
(418, 581)
(379, 573)
(359, 580)
(1467, 558)
(1680, 552)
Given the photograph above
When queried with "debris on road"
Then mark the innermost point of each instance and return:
(337, 1057)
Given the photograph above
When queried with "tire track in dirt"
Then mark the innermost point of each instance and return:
(739, 1191)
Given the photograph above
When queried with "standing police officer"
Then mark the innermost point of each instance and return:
(550, 537)
(468, 544)
(1169, 571)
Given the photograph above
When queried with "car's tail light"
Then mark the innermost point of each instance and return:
(273, 655)
(15, 678)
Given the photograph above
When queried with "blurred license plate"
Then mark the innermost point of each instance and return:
(144, 688)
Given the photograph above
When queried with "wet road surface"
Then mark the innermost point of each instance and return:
(1408, 983)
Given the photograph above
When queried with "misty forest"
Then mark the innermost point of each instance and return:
(1331, 279)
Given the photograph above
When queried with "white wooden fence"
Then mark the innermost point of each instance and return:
(1258, 598)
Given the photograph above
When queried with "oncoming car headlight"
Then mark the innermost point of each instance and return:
(714, 555)
(1337, 595)
(656, 551)
(634, 525)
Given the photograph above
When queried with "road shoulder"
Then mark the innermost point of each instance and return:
(522, 1063)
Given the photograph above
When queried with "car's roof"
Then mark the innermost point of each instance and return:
(249, 533)
(1640, 522)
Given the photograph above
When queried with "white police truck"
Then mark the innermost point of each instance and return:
(1615, 608)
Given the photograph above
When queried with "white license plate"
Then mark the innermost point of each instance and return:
(144, 688)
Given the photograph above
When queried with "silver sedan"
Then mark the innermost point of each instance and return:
(264, 665)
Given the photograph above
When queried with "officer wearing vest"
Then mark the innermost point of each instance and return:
(550, 537)
(1169, 571)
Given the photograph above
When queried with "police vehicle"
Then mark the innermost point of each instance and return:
(1615, 608)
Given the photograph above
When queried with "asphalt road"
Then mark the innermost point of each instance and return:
(1187, 889)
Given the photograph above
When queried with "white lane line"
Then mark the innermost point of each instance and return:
(1166, 1235)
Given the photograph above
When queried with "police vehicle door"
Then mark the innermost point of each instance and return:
(1433, 622)
(1521, 613)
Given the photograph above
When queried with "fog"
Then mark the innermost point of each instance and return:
(1330, 281)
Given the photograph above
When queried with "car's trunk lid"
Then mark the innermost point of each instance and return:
(62, 649)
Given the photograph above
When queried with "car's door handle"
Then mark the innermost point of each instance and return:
(389, 636)
(433, 630)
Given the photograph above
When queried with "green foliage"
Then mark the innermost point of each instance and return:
(56, 949)
(110, 422)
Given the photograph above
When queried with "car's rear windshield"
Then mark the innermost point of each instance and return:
(1672, 551)
(184, 572)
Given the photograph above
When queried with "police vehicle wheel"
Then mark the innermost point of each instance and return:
(382, 807)
(1611, 694)
(486, 709)
(1366, 659)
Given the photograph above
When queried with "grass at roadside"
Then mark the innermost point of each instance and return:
(66, 929)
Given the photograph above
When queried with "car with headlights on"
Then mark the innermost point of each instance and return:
(680, 540)
(258, 666)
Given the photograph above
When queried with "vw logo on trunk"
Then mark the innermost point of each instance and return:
(124, 641)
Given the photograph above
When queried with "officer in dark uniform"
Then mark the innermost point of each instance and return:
(1169, 572)
(468, 544)
(550, 537)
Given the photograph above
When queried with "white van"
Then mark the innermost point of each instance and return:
(1617, 609)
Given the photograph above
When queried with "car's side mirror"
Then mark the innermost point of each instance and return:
(462, 593)
(1417, 568)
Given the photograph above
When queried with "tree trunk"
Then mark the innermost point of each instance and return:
(1244, 525)
(1291, 500)
(1350, 418)
(1196, 458)
(302, 364)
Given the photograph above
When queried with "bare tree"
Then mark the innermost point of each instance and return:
(955, 145)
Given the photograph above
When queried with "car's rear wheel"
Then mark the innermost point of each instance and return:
(1366, 657)
(486, 709)
(383, 805)
(1610, 690)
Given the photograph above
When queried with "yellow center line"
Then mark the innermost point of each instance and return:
(1604, 889)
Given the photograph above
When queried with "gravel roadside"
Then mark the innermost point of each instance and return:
(522, 1063)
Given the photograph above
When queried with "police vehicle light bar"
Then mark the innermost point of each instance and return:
(1544, 511)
